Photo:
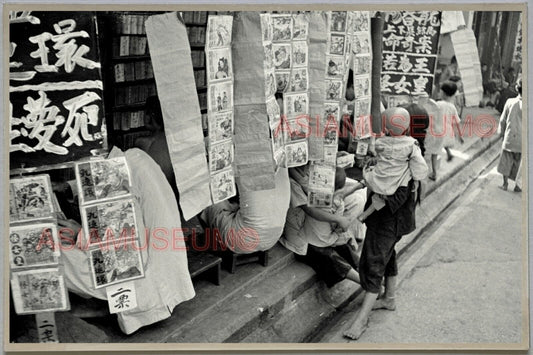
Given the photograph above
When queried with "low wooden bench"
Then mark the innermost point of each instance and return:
(231, 260)
(204, 263)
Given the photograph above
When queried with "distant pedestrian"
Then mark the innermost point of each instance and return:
(511, 130)
(450, 116)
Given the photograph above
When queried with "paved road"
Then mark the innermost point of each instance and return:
(463, 283)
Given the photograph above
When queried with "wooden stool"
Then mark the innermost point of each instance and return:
(204, 264)
(231, 260)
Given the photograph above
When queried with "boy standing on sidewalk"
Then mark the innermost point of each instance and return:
(511, 130)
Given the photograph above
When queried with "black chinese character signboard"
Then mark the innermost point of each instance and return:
(410, 43)
(55, 88)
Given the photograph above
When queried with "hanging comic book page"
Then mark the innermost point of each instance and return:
(410, 44)
(112, 220)
(33, 245)
(30, 198)
(219, 29)
(55, 89)
(321, 180)
(297, 154)
(103, 179)
(40, 290)
(110, 265)
(223, 185)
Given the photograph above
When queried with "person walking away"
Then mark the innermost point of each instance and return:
(511, 129)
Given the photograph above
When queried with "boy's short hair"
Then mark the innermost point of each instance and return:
(449, 88)
(519, 85)
(340, 178)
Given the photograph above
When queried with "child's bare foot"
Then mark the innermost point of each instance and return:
(432, 176)
(503, 187)
(385, 303)
(356, 330)
(517, 189)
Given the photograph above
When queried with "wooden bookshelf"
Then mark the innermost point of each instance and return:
(127, 71)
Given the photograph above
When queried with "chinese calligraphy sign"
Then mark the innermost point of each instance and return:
(55, 90)
(410, 43)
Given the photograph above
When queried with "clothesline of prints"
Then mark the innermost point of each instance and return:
(220, 107)
(37, 283)
(289, 51)
(109, 214)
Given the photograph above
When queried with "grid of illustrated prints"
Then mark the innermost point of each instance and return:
(290, 55)
(338, 57)
(220, 107)
(37, 284)
(108, 215)
(362, 70)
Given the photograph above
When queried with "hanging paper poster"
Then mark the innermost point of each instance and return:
(170, 53)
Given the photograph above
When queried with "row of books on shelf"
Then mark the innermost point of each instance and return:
(194, 17)
(199, 78)
(198, 58)
(129, 45)
(127, 141)
(196, 35)
(133, 71)
(130, 24)
(134, 94)
(124, 121)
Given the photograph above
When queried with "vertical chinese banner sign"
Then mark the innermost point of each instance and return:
(220, 107)
(410, 43)
(55, 88)
(173, 71)
(254, 163)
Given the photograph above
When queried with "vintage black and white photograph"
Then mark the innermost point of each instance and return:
(302, 178)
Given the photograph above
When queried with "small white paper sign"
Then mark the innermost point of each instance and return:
(46, 327)
(362, 148)
(121, 297)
